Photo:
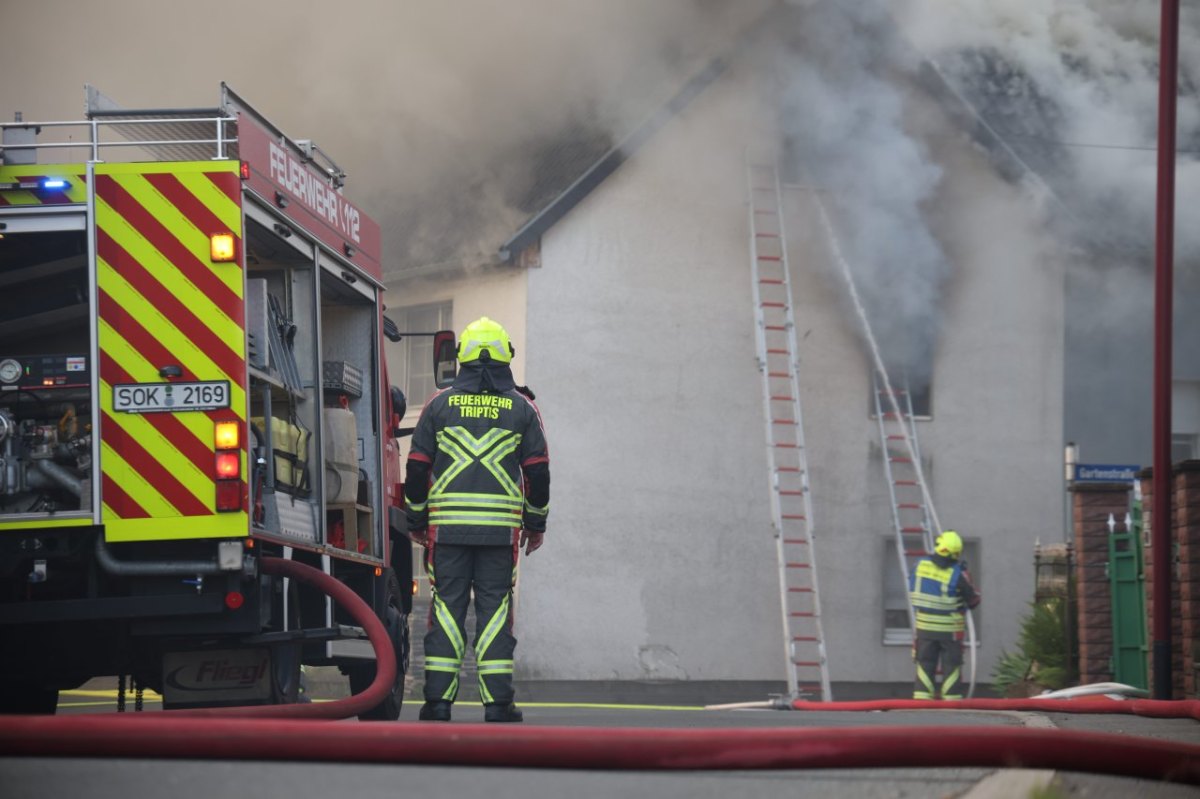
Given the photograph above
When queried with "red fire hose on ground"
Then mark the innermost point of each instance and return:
(167, 735)
(286, 732)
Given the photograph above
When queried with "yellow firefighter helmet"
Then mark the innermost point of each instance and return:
(948, 544)
(485, 335)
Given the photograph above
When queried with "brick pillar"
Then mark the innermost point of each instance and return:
(1183, 507)
(1091, 505)
(1187, 572)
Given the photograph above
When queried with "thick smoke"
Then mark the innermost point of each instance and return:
(1063, 98)
(453, 120)
(1073, 88)
(845, 133)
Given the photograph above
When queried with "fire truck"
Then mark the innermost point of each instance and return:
(192, 381)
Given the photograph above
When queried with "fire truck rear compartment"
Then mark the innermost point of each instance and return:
(45, 372)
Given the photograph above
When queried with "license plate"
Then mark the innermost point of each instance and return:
(160, 397)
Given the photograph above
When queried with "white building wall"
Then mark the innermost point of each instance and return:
(992, 449)
(997, 436)
(660, 561)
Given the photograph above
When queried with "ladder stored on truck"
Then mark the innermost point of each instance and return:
(901, 455)
(791, 500)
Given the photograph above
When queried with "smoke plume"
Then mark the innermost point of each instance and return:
(1073, 88)
(845, 134)
(453, 120)
(1063, 97)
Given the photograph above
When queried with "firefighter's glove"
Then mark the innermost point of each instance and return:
(531, 541)
(418, 525)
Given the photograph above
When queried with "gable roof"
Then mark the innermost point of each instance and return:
(609, 162)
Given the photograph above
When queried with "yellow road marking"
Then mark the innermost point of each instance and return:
(105, 693)
(605, 706)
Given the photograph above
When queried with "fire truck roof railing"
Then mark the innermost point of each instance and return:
(138, 136)
(113, 133)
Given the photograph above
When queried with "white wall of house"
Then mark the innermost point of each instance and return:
(660, 561)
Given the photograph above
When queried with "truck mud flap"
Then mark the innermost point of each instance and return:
(201, 678)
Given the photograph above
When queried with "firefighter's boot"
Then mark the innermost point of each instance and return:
(502, 711)
(435, 711)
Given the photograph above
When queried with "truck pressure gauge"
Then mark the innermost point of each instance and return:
(10, 371)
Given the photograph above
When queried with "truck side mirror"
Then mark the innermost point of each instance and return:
(445, 358)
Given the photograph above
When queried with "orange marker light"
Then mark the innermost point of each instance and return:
(222, 247)
(228, 464)
(226, 435)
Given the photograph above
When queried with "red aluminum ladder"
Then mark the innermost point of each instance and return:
(791, 500)
(905, 479)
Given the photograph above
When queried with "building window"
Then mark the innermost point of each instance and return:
(1185, 420)
(896, 629)
(918, 391)
(417, 350)
(1183, 447)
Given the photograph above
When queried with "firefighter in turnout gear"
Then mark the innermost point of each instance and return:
(940, 589)
(477, 489)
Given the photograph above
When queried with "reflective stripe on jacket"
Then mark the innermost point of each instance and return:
(935, 594)
(478, 443)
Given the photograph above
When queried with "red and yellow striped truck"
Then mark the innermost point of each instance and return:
(192, 379)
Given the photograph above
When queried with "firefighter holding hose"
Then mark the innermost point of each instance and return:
(477, 489)
(940, 590)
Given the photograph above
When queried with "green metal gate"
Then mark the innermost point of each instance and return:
(1127, 578)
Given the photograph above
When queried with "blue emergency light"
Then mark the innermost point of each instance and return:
(44, 184)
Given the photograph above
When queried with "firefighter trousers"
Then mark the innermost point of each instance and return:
(926, 653)
(455, 573)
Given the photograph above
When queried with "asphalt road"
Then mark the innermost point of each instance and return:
(88, 778)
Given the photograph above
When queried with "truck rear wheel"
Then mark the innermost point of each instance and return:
(363, 674)
(24, 698)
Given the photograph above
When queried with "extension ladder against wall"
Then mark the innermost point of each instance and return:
(901, 462)
(791, 501)
(912, 503)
